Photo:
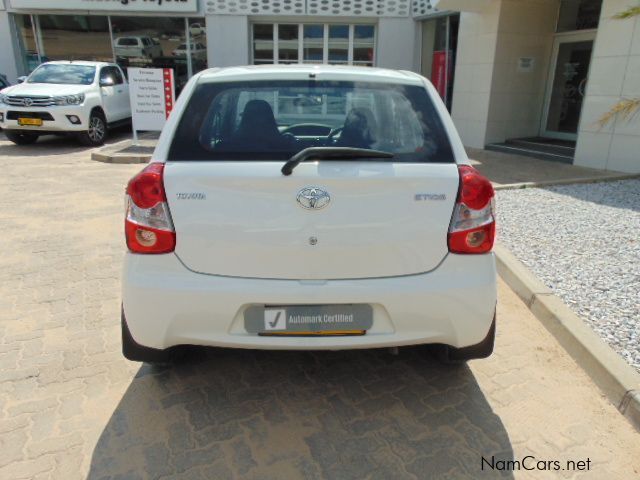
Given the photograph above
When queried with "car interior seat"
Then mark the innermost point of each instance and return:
(258, 128)
(360, 129)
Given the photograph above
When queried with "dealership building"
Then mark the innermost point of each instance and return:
(522, 76)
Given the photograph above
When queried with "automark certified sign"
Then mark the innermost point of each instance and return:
(157, 6)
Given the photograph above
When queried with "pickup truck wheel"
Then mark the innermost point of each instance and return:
(97, 131)
(22, 138)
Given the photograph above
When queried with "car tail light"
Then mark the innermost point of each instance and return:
(473, 224)
(148, 226)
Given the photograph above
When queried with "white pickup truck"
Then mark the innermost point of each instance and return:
(80, 98)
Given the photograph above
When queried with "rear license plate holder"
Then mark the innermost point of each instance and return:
(309, 320)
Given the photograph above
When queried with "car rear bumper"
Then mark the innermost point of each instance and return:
(165, 304)
(54, 119)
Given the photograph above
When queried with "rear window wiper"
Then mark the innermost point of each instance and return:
(330, 153)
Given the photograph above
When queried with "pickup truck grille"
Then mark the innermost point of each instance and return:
(29, 101)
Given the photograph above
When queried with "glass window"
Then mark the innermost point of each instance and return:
(63, 74)
(75, 37)
(153, 43)
(262, 43)
(579, 15)
(314, 43)
(198, 34)
(339, 44)
(287, 43)
(26, 43)
(363, 41)
(276, 119)
(111, 74)
(439, 49)
(137, 42)
(313, 46)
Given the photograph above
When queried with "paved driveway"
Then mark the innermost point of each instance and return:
(72, 407)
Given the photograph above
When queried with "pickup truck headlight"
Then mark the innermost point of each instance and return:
(70, 99)
(3, 99)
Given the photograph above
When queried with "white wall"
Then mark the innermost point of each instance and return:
(396, 43)
(492, 99)
(614, 74)
(7, 55)
(227, 40)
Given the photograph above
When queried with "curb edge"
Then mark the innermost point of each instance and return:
(568, 181)
(615, 378)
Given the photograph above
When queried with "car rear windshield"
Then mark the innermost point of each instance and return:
(273, 120)
(63, 74)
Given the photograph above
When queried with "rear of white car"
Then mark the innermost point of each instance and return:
(309, 208)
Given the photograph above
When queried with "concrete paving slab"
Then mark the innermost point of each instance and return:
(517, 171)
(617, 379)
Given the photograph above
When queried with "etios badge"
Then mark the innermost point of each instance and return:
(313, 198)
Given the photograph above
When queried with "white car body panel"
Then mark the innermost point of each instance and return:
(166, 304)
(379, 250)
(251, 225)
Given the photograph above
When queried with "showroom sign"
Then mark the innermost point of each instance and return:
(155, 6)
(152, 95)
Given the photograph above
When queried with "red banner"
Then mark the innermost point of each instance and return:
(169, 99)
(439, 76)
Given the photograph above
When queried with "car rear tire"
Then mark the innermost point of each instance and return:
(22, 138)
(96, 134)
(456, 356)
(132, 350)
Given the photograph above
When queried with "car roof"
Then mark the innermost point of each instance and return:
(300, 72)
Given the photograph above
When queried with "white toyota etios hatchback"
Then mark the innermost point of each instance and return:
(309, 207)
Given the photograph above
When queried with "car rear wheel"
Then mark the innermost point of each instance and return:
(22, 138)
(96, 134)
(456, 356)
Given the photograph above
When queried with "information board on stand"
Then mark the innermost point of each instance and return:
(152, 95)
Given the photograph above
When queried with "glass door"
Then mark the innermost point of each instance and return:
(567, 84)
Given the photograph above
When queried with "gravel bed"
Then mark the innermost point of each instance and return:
(583, 241)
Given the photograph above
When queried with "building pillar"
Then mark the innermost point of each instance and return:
(8, 56)
(396, 40)
(614, 75)
(227, 40)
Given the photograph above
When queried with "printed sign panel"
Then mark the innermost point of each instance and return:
(526, 64)
(152, 96)
(308, 318)
(155, 6)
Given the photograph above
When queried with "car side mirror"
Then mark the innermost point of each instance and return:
(107, 82)
(22, 79)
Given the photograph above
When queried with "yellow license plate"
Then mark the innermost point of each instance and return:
(34, 122)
